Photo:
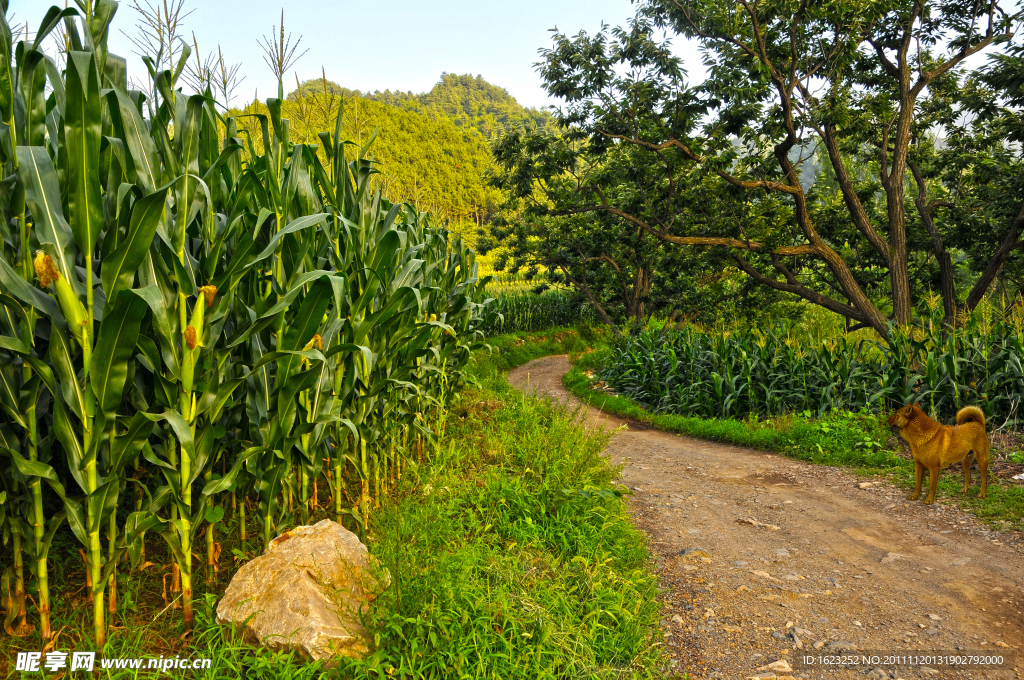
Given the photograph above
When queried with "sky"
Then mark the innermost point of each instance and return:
(396, 44)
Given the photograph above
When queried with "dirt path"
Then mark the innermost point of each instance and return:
(825, 567)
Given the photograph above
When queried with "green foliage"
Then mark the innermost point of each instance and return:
(427, 160)
(723, 374)
(808, 192)
(470, 102)
(526, 311)
(212, 314)
(431, 147)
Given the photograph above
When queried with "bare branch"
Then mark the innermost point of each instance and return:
(1010, 243)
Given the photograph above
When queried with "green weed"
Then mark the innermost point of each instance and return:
(513, 556)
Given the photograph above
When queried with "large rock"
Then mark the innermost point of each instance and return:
(304, 593)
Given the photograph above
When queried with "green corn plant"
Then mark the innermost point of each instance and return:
(519, 310)
(84, 366)
(187, 314)
(190, 377)
(738, 374)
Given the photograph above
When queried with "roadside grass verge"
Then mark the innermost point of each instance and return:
(858, 440)
(512, 554)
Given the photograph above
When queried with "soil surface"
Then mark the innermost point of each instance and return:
(762, 558)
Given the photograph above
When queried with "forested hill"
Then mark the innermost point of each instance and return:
(466, 100)
(433, 147)
(469, 102)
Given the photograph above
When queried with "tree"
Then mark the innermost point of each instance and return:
(316, 86)
(620, 267)
(432, 162)
(878, 88)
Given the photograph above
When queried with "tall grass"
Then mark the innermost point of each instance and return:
(739, 373)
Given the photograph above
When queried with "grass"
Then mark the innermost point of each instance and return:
(515, 349)
(858, 440)
(514, 556)
(510, 554)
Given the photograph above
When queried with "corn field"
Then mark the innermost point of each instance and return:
(723, 374)
(526, 311)
(507, 282)
(191, 319)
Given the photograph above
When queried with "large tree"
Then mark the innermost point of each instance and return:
(618, 265)
(836, 150)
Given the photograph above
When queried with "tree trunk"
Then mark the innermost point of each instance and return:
(902, 310)
(590, 296)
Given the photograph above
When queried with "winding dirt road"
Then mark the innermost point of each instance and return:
(762, 558)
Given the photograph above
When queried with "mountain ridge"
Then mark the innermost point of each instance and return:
(469, 101)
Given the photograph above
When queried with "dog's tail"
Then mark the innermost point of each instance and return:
(970, 414)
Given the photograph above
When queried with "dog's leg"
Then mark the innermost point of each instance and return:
(918, 474)
(983, 465)
(968, 463)
(933, 483)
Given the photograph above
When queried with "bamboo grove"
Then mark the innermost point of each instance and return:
(191, 317)
(750, 373)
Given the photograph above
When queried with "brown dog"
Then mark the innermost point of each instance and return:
(936, 446)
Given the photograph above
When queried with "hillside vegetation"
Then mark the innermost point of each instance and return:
(470, 102)
(433, 147)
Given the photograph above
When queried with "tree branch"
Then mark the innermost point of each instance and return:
(853, 204)
(689, 153)
(946, 274)
(581, 285)
(1009, 243)
(791, 285)
(752, 246)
